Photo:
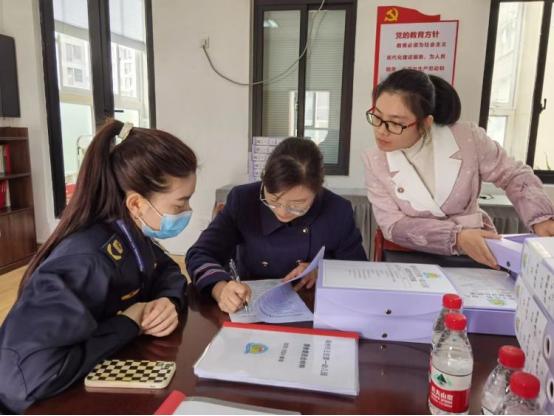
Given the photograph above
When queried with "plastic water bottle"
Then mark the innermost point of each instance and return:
(451, 369)
(451, 303)
(522, 396)
(510, 360)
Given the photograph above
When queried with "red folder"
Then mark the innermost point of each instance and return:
(293, 329)
(171, 403)
(7, 160)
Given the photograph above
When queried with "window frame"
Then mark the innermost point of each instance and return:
(100, 77)
(304, 6)
(546, 176)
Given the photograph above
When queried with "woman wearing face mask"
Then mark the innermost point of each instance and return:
(275, 226)
(424, 177)
(99, 280)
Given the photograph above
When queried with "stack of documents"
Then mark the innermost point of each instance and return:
(385, 301)
(257, 158)
(534, 322)
(300, 358)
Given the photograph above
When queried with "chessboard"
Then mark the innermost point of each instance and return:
(131, 374)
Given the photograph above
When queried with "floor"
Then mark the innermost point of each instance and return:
(9, 283)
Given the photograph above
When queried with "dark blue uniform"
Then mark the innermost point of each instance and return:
(266, 247)
(66, 319)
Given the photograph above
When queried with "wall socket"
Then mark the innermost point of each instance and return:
(205, 43)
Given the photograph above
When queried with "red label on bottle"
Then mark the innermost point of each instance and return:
(448, 392)
(449, 400)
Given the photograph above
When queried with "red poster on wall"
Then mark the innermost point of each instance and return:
(407, 38)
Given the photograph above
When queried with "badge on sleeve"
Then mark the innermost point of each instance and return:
(114, 249)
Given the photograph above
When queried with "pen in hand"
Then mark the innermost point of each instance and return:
(236, 277)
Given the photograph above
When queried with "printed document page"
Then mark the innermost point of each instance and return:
(385, 276)
(275, 301)
(483, 288)
(277, 357)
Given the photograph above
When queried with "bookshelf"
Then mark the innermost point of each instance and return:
(17, 220)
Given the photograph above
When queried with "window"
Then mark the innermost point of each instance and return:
(97, 63)
(518, 80)
(316, 115)
(74, 61)
(313, 98)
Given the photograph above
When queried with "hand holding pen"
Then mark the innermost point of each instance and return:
(236, 277)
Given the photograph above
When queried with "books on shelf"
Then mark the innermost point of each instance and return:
(5, 159)
(302, 358)
(4, 194)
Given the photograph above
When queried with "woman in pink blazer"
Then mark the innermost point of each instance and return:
(424, 176)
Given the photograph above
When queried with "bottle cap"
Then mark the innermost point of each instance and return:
(511, 357)
(452, 301)
(455, 321)
(525, 385)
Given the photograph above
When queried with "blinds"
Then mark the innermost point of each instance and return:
(323, 77)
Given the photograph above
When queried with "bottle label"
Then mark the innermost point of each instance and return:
(449, 392)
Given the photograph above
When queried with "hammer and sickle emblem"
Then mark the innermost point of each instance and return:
(115, 250)
(391, 15)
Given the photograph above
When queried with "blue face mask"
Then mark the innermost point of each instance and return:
(171, 225)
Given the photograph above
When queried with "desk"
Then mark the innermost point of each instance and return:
(393, 376)
(498, 207)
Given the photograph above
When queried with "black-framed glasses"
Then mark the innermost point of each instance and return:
(292, 209)
(391, 126)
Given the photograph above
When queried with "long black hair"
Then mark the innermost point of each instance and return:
(423, 94)
(294, 162)
(142, 162)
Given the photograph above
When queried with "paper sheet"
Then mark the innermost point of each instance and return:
(280, 357)
(483, 288)
(275, 301)
(385, 276)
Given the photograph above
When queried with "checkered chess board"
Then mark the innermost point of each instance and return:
(131, 372)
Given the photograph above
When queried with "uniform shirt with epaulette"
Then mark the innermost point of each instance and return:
(67, 318)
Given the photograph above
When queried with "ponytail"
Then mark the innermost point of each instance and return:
(447, 102)
(141, 163)
(423, 94)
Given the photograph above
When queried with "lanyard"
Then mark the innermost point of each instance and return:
(123, 227)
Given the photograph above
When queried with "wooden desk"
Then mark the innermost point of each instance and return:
(393, 376)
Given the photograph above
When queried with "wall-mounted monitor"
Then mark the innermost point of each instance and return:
(9, 90)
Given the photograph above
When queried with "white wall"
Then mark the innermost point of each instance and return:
(20, 19)
(213, 115)
(208, 113)
(472, 40)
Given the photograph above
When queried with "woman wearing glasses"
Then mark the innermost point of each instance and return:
(275, 227)
(425, 174)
